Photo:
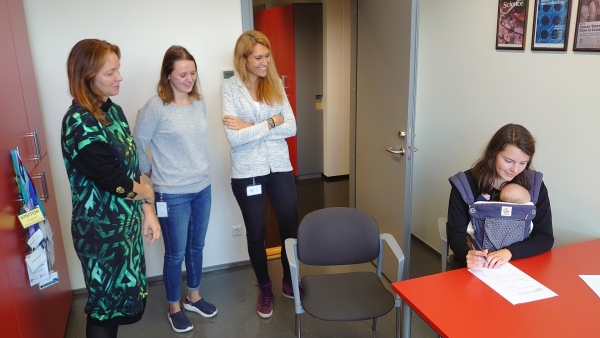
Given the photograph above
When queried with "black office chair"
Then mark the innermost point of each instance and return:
(341, 236)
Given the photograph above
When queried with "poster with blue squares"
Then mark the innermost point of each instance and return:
(551, 26)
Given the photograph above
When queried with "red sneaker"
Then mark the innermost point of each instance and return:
(264, 306)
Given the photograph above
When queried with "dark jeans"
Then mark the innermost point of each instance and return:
(281, 190)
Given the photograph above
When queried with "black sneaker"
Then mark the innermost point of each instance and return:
(201, 307)
(179, 322)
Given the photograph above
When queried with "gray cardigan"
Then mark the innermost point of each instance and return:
(177, 139)
(256, 150)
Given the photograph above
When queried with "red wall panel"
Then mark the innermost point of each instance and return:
(278, 25)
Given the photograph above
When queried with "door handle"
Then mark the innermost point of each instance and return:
(400, 151)
(38, 148)
(44, 196)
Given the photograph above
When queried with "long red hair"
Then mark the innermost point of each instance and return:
(85, 61)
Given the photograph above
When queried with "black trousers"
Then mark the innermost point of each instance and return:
(281, 191)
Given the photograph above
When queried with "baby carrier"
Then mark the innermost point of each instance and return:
(497, 225)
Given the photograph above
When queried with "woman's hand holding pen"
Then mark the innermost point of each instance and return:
(477, 259)
(482, 259)
(497, 258)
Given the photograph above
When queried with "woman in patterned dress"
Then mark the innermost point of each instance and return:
(107, 193)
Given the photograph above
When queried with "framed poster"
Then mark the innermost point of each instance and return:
(512, 24)
(587, 29)
(551, 25)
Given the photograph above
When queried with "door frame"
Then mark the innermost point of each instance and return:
(414, 43)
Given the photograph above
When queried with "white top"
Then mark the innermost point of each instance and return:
(256, 150)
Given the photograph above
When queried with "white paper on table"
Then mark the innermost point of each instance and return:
(593, 281)
(513, 284)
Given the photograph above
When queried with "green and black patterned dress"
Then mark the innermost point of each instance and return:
(106, 228)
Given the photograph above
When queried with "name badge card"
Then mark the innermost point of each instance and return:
(161, 209)
(31, 217)
(35, 239)
(252, 190)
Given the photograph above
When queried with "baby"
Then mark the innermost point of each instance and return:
(510, 193)
(514, 193)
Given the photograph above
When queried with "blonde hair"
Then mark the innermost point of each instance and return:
(270, 89)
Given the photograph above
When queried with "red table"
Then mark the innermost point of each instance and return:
(458, 304)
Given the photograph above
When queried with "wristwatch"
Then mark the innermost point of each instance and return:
(271, 122)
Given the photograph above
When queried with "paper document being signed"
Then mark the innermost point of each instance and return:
(513, 284)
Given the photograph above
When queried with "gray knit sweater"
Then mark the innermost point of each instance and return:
(177, 140)
(256, 150)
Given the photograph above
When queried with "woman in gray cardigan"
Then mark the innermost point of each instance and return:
(173, 125)
(257, 118)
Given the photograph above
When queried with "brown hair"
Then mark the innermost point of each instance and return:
(485, 168)
(85, 61)
(270, 90)
(164, 89)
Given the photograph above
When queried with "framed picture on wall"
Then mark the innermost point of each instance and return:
(551, 25)
(587, 28)
(512, 24)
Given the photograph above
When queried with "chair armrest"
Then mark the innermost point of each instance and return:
(292, 257)
(393, 244)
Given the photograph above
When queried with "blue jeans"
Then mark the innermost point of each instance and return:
(280, 187)
(184, 231)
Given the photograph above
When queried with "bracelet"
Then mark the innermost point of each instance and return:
(146, 202)
(271, 122)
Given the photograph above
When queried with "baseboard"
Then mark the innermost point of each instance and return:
(426, 246)
(336, 178)
(308, 176)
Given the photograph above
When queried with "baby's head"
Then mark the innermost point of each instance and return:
(514, 193)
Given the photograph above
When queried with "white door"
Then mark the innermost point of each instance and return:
(385, 33)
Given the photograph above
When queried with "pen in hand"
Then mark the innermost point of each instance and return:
(478, 248)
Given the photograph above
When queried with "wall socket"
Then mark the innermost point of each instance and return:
(236, 230)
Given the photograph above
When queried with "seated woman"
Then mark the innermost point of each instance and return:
(507, 158)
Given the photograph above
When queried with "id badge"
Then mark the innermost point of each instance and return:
(161, 209)
(254, 189)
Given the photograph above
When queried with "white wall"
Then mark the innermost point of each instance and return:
(467, 90)
(143, 30)
(336, 95)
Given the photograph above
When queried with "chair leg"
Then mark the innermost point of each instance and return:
(444, 255)
(298, 323)
(398, 322)
(406, 319)
(374, 324)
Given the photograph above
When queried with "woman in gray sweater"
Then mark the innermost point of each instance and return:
(257, 118)
(173, 125)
